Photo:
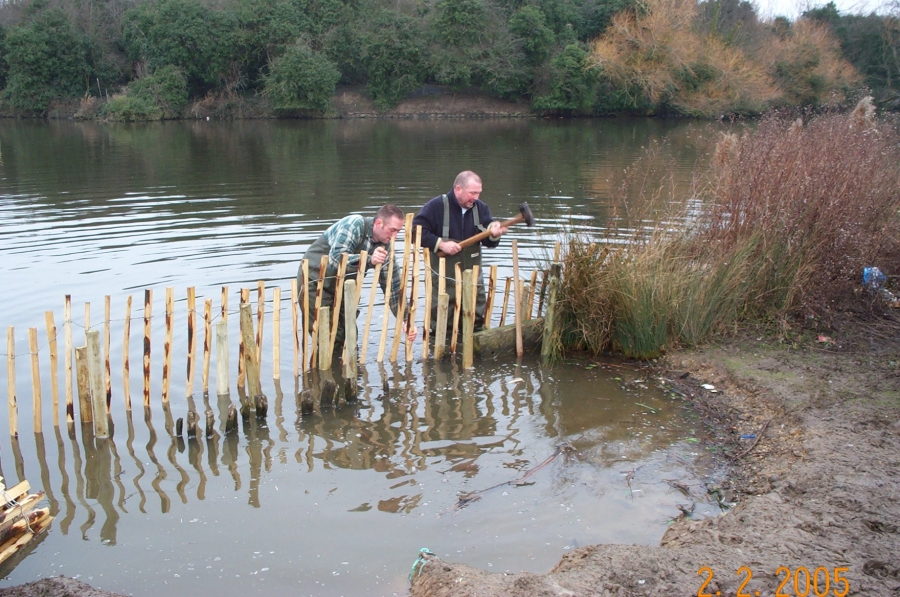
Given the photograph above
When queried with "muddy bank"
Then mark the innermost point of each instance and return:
(55, 587)
(819, 490)
(427, 102)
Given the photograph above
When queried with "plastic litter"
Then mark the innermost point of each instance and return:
(873, 278)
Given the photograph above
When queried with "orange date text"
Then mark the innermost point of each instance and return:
(799, 582)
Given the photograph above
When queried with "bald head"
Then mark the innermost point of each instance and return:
(467, 189)
(465, 178)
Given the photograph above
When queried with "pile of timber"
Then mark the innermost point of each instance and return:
(20, 522)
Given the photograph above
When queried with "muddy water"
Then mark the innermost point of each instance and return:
(504, 467)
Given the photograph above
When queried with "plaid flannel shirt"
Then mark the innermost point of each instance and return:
(348, 235)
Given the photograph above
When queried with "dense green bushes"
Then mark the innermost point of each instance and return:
(301, 80)
(47, 60)
(393, 57)
(562, 56)
(160, 95)
(184, 34)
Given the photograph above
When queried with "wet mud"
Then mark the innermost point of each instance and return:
(818, 495)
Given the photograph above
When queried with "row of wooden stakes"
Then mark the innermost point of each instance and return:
(92, 375)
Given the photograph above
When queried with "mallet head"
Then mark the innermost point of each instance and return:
(527, 216)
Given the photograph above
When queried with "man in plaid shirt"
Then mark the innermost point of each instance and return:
(353, 234)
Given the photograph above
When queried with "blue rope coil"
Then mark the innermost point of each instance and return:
(419, 563)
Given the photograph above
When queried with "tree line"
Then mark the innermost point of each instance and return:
(149, 59)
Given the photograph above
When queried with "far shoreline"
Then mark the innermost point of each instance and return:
(429, 102)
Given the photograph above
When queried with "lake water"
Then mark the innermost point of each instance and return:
(338, 502)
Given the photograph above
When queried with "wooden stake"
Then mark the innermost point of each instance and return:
(207, 342)
(221, 357)
(440, 334)
(489, 302)
(468, 320)
(126, 366)
(426, 327)
(84, 385)
(523, 297)
(167, 345)
(505, 302)
(350, 356)
(414, 299)
(360, 278)
(387, 305)
(529, 305)
(225, 304)
(295, 322)
(67, 325)
(35, 379)
(304, 267)
(556, 251)
(276, 333)
(54, 365)
(191, 335)
(148, 296)
(401, 311)
(11, 381)
(550, 318)
(457, 307)
(252, 366)
(242, 347)
(365, 338)
(518, 302)
(98, 398)
(442, 276)
(324, 349)
(107, 372)
(323, 268)
(87, 319)
(338, 297)
(260, 319)
(542, 292)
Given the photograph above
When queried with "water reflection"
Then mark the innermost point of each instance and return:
(103, 210)
(433, 416)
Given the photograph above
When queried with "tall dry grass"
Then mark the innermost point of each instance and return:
(790, 214)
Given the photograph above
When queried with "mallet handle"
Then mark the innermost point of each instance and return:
(477, 238)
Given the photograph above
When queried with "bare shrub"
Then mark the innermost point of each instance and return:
(658, 51)
(782, 223)
(822, 198)
(807, 66)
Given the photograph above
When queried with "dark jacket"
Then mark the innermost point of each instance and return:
(461, 227)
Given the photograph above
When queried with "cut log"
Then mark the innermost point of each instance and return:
(502, 340)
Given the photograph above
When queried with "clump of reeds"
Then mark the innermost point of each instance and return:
(784, 222)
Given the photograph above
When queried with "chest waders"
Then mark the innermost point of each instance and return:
(314, 257)
(466, 258)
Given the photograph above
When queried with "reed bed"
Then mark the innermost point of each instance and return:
(782, 224)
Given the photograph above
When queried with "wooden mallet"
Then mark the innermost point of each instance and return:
(525, 215)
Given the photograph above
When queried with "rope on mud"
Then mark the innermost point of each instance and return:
(464, 500)
(419, 563)
(756, 441)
